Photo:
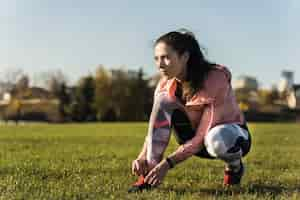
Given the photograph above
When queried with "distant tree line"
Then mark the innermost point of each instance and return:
(115, 95)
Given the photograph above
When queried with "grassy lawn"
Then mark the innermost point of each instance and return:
(92, 161)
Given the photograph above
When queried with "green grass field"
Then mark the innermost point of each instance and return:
(92, 161)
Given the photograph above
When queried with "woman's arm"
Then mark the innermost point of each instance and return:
(139, 165)
(186, 150)
(195, 144)
(143, 152)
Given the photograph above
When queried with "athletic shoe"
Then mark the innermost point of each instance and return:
(140, 185)
(233, 178)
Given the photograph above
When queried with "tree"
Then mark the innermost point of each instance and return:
(103, 94)
(22, 83)
(138, 87)
(130, 95)
(56, 82)
(83, 106)
(64, 100)
(10, 78)
(120, 94)
(12, 75)
(52, 80)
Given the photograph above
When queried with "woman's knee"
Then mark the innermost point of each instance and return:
(215, 145)
(221, 143)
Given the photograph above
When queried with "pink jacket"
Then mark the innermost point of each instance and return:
(213, 105)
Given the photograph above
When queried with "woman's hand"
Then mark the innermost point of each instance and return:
(139, 166)
(157, 174)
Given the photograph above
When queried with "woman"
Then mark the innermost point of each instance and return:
(196, 99)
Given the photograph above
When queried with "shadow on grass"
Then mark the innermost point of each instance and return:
(258, 189)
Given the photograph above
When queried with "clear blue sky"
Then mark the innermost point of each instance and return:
(258, 38)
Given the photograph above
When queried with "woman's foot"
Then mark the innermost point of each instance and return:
(140, 185)
(233, 176)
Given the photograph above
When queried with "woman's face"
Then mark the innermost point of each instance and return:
(169, 62)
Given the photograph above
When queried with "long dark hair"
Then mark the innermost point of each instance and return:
(197, 66)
